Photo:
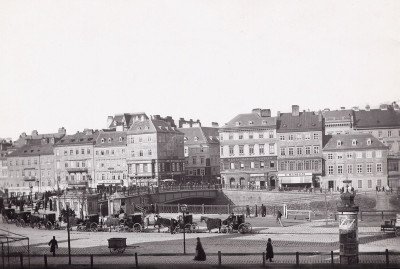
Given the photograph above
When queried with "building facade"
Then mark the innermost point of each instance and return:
(338, 121)
(202, 154)
(155, 152)
(110, 159)
(31, 168)
(248, 150)
(74, 160)
(122, 122)
(361, 158)
(300, 141)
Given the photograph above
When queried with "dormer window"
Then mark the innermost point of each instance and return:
(264, 122)
(339, 143)
(146, 128)
(196, 138)
(102, 140)
(120, 139)
(251, 122)
(354, 142)
(139, 128)
(109, 140)
(185, 138)
(237, 123)
(369, 141)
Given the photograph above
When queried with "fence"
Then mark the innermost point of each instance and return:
(388, 258)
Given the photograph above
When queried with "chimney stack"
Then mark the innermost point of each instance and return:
(278, 114)
(214, 124)
(342, 108)
(257, 111)
(34, 133)
(295, 110)
(367, 108)
(383, 107)
(62, 130)
(319, 115)
(109, 121)
(265, 112)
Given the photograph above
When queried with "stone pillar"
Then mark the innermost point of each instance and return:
(348, 229)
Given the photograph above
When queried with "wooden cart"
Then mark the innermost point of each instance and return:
(117, 244)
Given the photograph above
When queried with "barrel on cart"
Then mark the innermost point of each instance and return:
(117, 244)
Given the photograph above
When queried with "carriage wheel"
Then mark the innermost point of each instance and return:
(137, 228)
(49, 226)
(194, 227)
(188, 228)
(121, 250)
(93, 227)
(397, 232)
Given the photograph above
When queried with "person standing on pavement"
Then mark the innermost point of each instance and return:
(200, 254)
(270, 251)
(247, 211)
(279, 217)
(53, 245)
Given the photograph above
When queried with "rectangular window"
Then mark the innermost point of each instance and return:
(57, 152)
(379, 168)
(291, 151)
(359, 169)
(291, 137)
(307, 164)
(271, 135)
(71, 152)
(82, 151)
(201, 160)
(261, 135)
(308, 150)
(241, 165)
(339, 156)
(299, 151)
(272, 164)
(222, 151)
(232, 165)
(340, 169)
(88, 151)
(379, 182)
(261, 149)
(251, 164)
(330, 156)
(251, 136)
(307, 136)
(241, 150)
(349, 169)
(316, 149)
(360, 184)
(378, 154)
(369, 168)
(282, 137)
(231, 152)
(271, 148)
(369, 183)
(132, 153)
(230, 136)
(389, 133)
(349, 155)
(359, 155)
(251, 149)
(380, 134)
(316, 136)
(240, 136)
(262, 164)
(330, 169)
(368, 154)
(194, 160)
(221, 137)
(283, 151)
(298, 136)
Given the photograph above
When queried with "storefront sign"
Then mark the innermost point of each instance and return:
(293, 180)
(295, 174)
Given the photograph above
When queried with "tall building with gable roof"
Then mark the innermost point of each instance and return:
(248, 148)
(110, 159)
(74, 160)
(361, 158)
(122, 122)
(300, 141)
(201, 153)
(155, 152)
(338, 121)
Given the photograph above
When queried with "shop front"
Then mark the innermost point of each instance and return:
(295, 180)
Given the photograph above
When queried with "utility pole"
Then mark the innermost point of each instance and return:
(69, 239)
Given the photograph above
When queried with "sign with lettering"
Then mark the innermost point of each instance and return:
(294, 174)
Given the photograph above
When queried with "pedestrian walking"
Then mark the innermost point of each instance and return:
(247, 211)
(200, 254)
(279, 217)
(270, 251)
(263, 210)
(53, 245)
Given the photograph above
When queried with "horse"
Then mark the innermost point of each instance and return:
(212, 223)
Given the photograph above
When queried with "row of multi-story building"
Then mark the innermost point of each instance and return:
(297, 149)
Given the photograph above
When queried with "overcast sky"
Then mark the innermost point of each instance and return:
(73, 63)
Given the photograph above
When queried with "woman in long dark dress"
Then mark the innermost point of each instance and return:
(200, 254)
(270, 250)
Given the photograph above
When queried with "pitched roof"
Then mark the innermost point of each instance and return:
(376, 118)
(126, 119)
(111, 139)
(152, 126)
(200, 135)
(33, 150)
(306, 121)
(80, 138)
(250, 120)
(334, 115)
(347, 142)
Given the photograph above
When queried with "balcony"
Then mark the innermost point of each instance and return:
(30, 178)
(77, 170)
(77, 183)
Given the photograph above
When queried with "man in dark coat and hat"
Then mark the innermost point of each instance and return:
(270, 251)
(53, 245)
(200, 254)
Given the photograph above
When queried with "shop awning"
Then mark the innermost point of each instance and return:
(296, 179)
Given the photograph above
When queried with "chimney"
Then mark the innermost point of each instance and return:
(34, 133)
(156, 117)
(88, 131)
(319, 115)
(265, 112)
(257, 111)
(342, 108)
(62, 130)
(367, 108)
(278, 113)
(396, 107)
(214, 124)
(295, 110)
(383, 107)
(109, 121)
(23, 134)
(356, 108)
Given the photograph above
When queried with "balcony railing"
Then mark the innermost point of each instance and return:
(77, 182)
(77, 170)
(30, 178)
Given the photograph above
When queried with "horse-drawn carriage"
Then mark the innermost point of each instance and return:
(133, 223)
(212, 223)
(392, 224)
(185, 223)
(90, 224)
(236, 223)
(9, 215)
(23, 218)
(47, 221)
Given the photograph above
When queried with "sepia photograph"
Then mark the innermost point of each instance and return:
(199, 134)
